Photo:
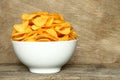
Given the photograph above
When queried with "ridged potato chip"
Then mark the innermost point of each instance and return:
(43, 27)
(49, 22)
(63, 38)
(18, 36)
(40, 21)
(28, 16)
(63, 30)
(52, 32)
(46, 36)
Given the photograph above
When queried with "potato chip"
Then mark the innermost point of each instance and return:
(62, 30)
(40, 21)
(46, 36)
(65, 24)
(49, 22)
(40, 31)
(30, 37)
(52, 32)
(30, 40)
(63, 38)
(43, 40)
(28, 29)
(73, 35)
(43, 27)
(21, 27)
(30, 34)
(58, 21)
(28, 16)
(18, 36)
(25, 16)
(34, 27)
(14, 31)
(57, 16)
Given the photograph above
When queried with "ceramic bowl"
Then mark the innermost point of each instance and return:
(44, 57)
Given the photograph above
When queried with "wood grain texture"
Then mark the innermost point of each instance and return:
(97, 23)
(69, 72)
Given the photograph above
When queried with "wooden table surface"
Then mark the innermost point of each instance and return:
(70, 72)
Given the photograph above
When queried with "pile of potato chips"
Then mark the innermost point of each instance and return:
(43, 26)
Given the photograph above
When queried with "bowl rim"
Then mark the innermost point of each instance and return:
(44, 42)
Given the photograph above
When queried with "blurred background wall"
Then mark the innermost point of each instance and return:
(97, 23)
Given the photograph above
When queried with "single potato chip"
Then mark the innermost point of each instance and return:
(44, 40)
(62, 30)
(65, 24)
(58, 21)
(29, 40)
(49, 22)
(52, 32)
(73, 35)
(21, 28)
(46, 35)
(18, 36)
(25, 16)
(30, 37)
(28, 29)
(63, 38)
(14, 31)
(40, 21)
(34, 27)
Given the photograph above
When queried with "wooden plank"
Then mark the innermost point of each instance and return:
(71, 72)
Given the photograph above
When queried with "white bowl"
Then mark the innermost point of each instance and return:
(44, 57)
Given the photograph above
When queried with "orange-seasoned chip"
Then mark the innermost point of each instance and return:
(30, 40)
(18, 36)
(44, 40)
(30, 37)
(21, 28)
(14, 31)
(58, 21)
(25, 16)
(28, 16)
(28, 29)
(52, 32)
(34, 27)
(65, 24)
(30, 34)
(45, 35)
(63, 30)
(40, 21)
(63, 38)
(49, 22)
(73, 35)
